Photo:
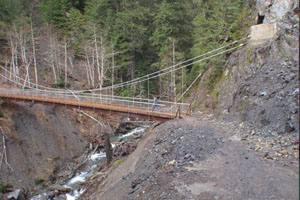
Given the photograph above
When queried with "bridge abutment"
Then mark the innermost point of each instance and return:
(261, 33)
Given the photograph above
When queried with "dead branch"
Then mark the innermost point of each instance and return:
(108, 148)
(4, 154)
(80, 164)
(2, 158)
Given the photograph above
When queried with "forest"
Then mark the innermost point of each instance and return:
(84, 44)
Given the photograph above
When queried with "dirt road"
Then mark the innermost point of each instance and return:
(197, 159)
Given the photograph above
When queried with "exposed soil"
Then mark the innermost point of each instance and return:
(45, 142)
(39, 141)
(199, 158)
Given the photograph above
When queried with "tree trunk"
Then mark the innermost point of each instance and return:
(113, 71)
(12, 70)
(16, 63)
(97, 54)
(33, 52)
(132, 65)
(27, 76)
(118, 7)
(93, 69)
(53, 55)
(102, 62)
(88, 76)
(173, 72)
(71, 63)
(66, 62)
(108, 148)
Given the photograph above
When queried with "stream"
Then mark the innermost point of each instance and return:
(75, 185)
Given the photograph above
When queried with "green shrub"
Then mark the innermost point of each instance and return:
(38, 181)
(61, 84)
(214, 77)
(2, 186)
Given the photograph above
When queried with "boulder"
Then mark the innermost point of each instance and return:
(17, 194)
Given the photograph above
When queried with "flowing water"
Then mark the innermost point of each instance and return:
(76, 183)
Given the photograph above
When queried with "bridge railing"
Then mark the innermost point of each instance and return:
(130, 102)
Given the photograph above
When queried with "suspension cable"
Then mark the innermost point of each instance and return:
(137, 80)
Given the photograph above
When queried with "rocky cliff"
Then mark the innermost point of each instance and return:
(260, 83)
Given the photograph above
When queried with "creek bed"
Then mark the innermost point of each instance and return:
(75, 185)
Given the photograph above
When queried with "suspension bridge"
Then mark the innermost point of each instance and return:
(134, 107)
(94, 99)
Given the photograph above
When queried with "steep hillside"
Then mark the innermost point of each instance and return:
(197, 159)
(43, 141)
(260, 82)
(39, 140)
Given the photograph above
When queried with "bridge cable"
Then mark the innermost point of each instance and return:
(184, 66)
(142, 77)
(137, 80)
(148, 78)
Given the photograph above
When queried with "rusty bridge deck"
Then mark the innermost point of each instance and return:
(106, 107)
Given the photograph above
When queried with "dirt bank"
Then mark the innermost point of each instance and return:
(40, 140)
(46, 145)
(199, 159)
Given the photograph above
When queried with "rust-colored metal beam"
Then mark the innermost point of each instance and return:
(107, 108)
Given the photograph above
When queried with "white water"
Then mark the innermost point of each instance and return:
(98, 156)
(92, 163)
(40, 196)
(78, 179)
(76, 194)
(134, 131)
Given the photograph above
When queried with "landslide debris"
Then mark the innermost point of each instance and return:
(198, 159)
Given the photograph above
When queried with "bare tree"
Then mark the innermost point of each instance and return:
(97, 54)
(66, 61)
(52, 52)
(90, 69)
(33, 52)
(173, 71)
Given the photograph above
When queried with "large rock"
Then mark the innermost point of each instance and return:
(17, 194)
(275, 10)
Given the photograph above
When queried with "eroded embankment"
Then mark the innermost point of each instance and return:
(198, 159)
(39, 139)
(45, 143)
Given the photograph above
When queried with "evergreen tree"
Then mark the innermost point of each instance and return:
(101, 12)
(75, 30)
(130, 33)
(56, 11)
(171, 37)
(215, 25)
(12, 9)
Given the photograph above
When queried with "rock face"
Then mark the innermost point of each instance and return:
(275, 10)
(261, 82)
